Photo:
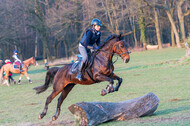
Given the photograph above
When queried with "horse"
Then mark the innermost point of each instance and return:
(102, 70)
(1, 63)
(9, 68)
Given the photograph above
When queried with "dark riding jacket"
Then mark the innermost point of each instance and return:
(91, 37)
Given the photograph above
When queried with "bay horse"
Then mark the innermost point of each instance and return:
(102, 70)
(9, 68)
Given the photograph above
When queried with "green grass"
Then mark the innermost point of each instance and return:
(146, 72)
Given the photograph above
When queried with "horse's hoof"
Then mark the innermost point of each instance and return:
(103, 92)
(112, 89)
(39, 117)
(54, 118)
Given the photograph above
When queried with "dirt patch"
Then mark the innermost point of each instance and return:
(136, 74)
(175, 100)
(31, 104)
(71, 123)
(131, 94)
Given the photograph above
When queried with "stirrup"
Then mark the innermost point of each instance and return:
(79, 77)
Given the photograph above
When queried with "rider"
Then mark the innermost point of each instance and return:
(91, 36)
(16, 59)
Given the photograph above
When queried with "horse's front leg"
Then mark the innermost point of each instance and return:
(26, 74)
(115, 77)
(109, 88)
(19, 81)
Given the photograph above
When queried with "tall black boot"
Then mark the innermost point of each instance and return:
(79, 75)
(21, 68)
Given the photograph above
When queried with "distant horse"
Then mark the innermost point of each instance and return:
(1, 63)
(9, 68)
(101, 69)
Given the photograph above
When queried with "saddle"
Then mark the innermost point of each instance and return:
(17, 65)
(86, 66)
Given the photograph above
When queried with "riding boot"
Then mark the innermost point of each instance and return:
(79, 76)
(20, 69)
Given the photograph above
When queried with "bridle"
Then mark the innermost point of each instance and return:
(122, 53)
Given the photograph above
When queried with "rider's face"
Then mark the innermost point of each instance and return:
(97, 27)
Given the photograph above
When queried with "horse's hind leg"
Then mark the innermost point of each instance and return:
(49, 99)
(119, 82)
(63, 95)
(6, 79)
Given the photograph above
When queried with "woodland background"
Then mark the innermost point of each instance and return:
(53, 28)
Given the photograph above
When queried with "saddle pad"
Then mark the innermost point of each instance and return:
(15, 66)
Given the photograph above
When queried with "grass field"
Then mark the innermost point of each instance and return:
(147, 71)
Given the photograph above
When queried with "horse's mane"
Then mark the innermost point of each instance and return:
(28, 59)
(110, 37)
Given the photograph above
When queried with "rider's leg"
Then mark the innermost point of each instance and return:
(83, 52)
(20, 66)
(79, 75)
(11, 78)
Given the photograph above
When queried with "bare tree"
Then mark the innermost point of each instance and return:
(181, 18)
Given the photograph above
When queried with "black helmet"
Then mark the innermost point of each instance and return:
(96, 21)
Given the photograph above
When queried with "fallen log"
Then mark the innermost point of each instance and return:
(93, 113)
(152, 47)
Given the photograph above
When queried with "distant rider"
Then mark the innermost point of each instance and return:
(16, 59)
(91, 36)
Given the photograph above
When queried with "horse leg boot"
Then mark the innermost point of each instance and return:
(115, 77)
(118, 84)
(79, 75)
(110, 87)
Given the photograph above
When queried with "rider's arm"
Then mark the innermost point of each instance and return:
(16, 58)
(90, 47)
(89, 35)
(98, 41)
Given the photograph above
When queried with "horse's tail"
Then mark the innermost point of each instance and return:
(1, 73)
(49, 79)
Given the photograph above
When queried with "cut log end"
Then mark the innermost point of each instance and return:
(80, 115)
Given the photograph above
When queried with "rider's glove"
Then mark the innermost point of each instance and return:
(96, 48)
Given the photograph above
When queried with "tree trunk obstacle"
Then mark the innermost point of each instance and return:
(93, 113)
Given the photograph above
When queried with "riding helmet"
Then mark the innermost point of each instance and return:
(96, 21)
(15, 51)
